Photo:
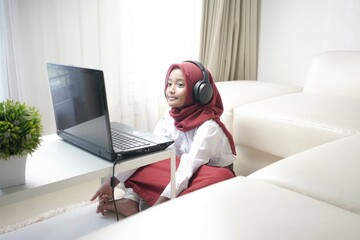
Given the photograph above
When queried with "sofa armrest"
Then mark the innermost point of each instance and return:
(239, 208)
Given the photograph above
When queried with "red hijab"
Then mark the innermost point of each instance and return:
(193, 114)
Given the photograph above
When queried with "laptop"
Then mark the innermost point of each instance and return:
(82, 116)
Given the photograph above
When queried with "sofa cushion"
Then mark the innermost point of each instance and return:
(285, 125)
(239, 208)
(334, 73)
(239, 92)
(329, 172)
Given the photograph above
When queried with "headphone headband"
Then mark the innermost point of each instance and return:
(202, 68)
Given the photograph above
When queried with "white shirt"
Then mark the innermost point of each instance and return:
(206, 144)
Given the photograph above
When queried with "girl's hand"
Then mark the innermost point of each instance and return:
(104, 192)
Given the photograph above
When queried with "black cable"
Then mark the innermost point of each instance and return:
(113, 185)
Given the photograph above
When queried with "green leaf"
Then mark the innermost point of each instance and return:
(20, 129)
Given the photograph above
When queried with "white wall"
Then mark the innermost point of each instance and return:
(292, 31)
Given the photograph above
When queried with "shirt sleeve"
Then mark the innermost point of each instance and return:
(160, 128)
(201, 150)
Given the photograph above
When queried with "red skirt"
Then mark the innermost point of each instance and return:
(150, 181)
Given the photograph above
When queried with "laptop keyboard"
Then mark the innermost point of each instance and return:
(124, 142)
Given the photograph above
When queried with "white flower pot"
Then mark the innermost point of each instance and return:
(12, 171)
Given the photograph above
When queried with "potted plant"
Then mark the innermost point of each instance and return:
(20, 133)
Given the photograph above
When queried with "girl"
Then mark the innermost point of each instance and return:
(204, 147)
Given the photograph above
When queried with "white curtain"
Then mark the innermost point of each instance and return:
(133, 42)
(9, 85)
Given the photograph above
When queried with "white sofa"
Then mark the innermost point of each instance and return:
(325, 110)
(299, 157)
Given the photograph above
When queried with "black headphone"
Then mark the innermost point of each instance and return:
(202, 91)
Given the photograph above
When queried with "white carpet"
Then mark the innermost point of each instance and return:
(119, 192)
(44, 216)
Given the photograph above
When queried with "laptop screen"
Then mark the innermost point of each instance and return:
(79, 101)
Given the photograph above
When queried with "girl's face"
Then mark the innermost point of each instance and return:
(176, 89)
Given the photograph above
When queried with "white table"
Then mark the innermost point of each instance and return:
(59, 173)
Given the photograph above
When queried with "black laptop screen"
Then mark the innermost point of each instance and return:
(79, 101)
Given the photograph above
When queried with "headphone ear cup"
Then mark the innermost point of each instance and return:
(203, 92)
